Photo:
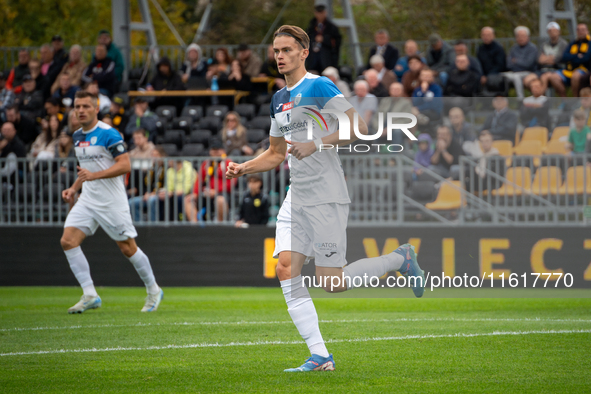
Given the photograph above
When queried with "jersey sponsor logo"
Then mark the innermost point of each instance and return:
(297, 99)
(93, 140)
(89, 157)
(84, 144)
(287, 106)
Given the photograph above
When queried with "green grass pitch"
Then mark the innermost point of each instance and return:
(240, 340)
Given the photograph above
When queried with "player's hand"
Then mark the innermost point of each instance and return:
(68, 195)
(234, 170)
(301, 150)
(85, 175)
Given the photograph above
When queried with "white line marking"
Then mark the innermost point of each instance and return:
(262, 343)
(237, 323)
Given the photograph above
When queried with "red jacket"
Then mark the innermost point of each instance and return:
(212, 174)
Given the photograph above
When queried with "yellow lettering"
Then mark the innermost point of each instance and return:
(537, 256)
(488, 258)
(587, 274)
(448, 246)
(269, 262)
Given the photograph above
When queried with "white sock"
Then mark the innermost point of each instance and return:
(375, 266)
(81, 269)
(141, 263)
(304, 316)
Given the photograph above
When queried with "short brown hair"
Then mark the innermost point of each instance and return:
(579, 114)
(84, 94)
(585, 92)
(485, 133)
(297, 33)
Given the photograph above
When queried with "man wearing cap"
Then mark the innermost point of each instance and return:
(440, 56)
(113, 52)
(30, 99)
(577, 59)
(254, 207)
(142, 118)
(250, 62)
(325, 41)
(6, 95)
(60, 56)
(194, 66)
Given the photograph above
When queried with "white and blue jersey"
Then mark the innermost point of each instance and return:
(96, 150)
(318, 178)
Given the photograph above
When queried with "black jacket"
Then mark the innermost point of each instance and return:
(462, 83)
(102, 71)
(31, 102)
(26, 129)
(390, 56)
(254, 209)
(328, 55)
(505, 127)
(492, 58)
(172, 81)
(15, 146)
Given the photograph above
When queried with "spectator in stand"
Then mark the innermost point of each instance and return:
(333, 74)
(7, 97)
(364, 102)
(446, 156)
(60, 56)
(166, 79)
(440, 57)
(410, 79)
(397, 102)
(180, 178)
(194, 66)
(551, 49)
(25, 126)
(427, 97)
(102, 70)
(52, 107)
(585, 106)
(154, 183)
(46, 143)
(15, 78)
(142, 118)
(236, 80)
(385, 77)
(423, 154)
(254, 208)
(233, 135)
(325, 41)
(74, 68)
(462, 81)
(383, 48)
(65, 153)
(577, 59)
(30, 99)
(410, 49)
(104, 101)
(502, 123)
(522, 60)
(250, 63)
(578, 136)
(10, 142)
(117, 113)
(269, 69)
(535, 109)
(490, 54)
(210, 187)
(49, 68)
(104, 38)
(460, 48)
(483, 151)
(221, 64)
(461, 130)
(40, 80)
(66, 90)
(142, 152)
(375, 86)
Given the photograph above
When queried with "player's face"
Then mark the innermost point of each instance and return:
(86, 110)
(289, 54)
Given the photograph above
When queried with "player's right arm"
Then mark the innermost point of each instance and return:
(69, 194)
(268, 160)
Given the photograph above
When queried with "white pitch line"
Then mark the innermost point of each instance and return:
(262, 343)
(237, 323)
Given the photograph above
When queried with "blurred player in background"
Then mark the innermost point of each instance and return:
(103, 202)
(312, 221)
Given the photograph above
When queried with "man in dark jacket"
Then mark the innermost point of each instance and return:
(113, 52)
(502, 123)
(490, 54)
(522, 59)
(383, 48)
(102, 70)
(15, 78)
(25, 126)
(166, 79)
(30, 99)
(325, 41)
(440, 57)
(462, 81)
(254, 208)
(60, 56)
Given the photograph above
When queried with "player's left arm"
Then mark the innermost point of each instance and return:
(122, 166)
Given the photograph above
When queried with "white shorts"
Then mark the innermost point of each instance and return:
(318, 231)
(117, 224)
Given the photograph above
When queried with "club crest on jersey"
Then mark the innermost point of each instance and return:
(93, 140)
(84, 144)
(297, 99)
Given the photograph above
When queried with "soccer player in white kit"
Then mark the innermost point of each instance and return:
(103, 162)
(313, 218)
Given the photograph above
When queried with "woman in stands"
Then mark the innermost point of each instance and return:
(45, 144)
(221, 64)
(234, 136)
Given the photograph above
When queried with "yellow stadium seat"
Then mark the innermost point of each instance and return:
(529, 148)
(547, 180)
(520, 176)
(559, 132)
(505, 149)
(448, 197)
(575, 181)
(535, 134)
(556, 147)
